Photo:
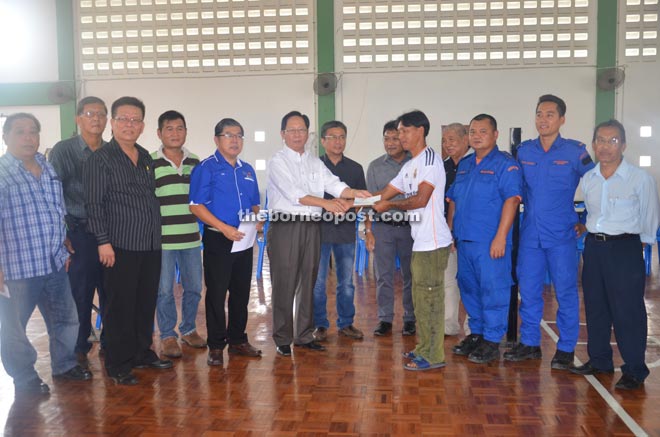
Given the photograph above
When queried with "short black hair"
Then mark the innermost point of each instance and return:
(127, 101)
(9, 121)
(415, 118)
(390, 125)
(170, 115)
(488, 117)
(332, 124)
(89, 100)
(561, 105)
(286, 118)
(611, 123)
(226, 122)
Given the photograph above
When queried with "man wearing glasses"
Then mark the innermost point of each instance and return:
(296, 182)
(337, 237)
(623, 206)
(68, 158)
(223, 190)
(124, 215)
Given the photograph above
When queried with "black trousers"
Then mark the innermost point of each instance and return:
(85, 276)
(131, 289)
(225, 271)
(613, 280)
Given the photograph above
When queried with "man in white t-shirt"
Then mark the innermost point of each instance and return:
(422, 181)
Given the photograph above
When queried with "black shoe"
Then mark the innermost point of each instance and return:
(125, 379)
(382, 329)
(157, 364)
(284, 350)
(628, 382)
(82, 360)
(562, 360)
(486, 352)
(467, 345)
(408, 329)
(522, 352)
(312, 345)
(588, 369)
(33, 387)
(76, 373)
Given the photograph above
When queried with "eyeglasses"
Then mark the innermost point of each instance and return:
(605, 141)
(232, 137)
(335, 137)
(92, 114)
(127, 120)
(300, 131)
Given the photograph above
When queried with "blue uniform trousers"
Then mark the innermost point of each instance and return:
(485, 285)
(613, 280)
(562, 263)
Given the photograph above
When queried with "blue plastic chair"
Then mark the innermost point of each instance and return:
(361, 252)
(648, 254)
(261, 243)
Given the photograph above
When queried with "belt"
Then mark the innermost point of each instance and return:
(606, 237)
(394, 223)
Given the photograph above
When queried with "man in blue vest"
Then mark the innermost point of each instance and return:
(552, 167)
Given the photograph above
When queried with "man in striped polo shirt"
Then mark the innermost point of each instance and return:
(173, 164)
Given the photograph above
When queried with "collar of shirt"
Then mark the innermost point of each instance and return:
(160, 154)
(622, 171)
(222, 161)
(327, 161)
(388, 159)
(556, 144)
(41, 160)
(485, 159)
(289, 153)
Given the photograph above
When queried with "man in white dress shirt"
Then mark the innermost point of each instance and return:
(623, 210)
(296, 182)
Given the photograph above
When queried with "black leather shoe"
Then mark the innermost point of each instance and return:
(522, 352)
(76, 373)
(408, 329)
(312, 345)
(382, 329)
(467, 345)
(284, 350)
(33, 387)
(215, 357)
(125, 379)
(628, 382)
(588, 369)
(562, 360)
(486, 352)
(157, 364)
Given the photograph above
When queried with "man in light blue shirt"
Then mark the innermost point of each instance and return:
(623, 214)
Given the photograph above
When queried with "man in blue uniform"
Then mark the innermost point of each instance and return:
(483, 202)
(552, 167)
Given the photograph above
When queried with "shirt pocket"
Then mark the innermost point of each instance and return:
(560, 175)
(625, 209)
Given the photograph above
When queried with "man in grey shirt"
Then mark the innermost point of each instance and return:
(68, 157)
(392, 232)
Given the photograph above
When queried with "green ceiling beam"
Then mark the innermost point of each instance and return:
(325, 57)
(67, 63)
(606, 55)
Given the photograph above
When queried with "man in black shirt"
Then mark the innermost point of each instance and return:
(338, 238)
(124, 215)
(455, 144)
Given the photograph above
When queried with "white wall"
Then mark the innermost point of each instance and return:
(366, 101)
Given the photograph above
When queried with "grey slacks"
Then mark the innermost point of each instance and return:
(294, 250)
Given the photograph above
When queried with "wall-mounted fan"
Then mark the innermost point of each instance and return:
(325, 83)
(610, 78)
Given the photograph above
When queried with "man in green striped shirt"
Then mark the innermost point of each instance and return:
(173, 164)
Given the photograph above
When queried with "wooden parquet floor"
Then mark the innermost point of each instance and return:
(355, 388)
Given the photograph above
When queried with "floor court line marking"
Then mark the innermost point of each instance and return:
(607, 397)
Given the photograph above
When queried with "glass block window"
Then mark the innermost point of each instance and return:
(639, 28)
(422, 34)
(170, 37)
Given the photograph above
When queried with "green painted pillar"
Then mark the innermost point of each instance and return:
(67, 64)
(325, 58)
(606, 55)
